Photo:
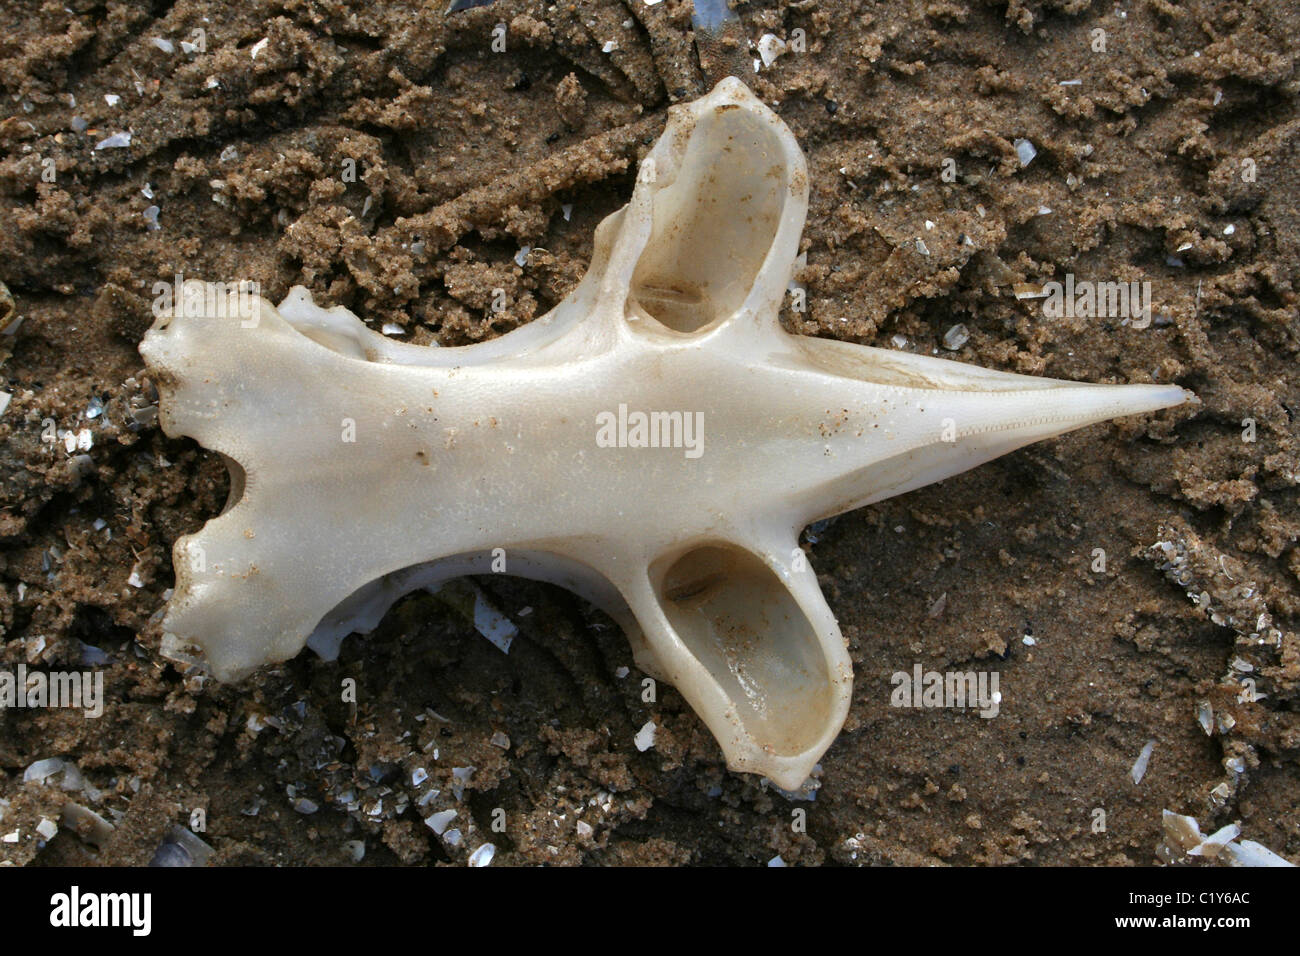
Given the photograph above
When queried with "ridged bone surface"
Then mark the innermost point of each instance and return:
(362, 468)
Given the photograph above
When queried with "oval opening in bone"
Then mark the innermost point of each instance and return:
(362, 611)
(238, 478)
(713, 225)
(740, 621)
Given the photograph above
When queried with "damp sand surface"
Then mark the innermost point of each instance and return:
(384, 156)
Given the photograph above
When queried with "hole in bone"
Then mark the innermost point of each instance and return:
(743, 625)
(713, 224)
(238, 478)
(366, 606)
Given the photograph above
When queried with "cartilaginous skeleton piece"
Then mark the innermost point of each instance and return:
(655, 443)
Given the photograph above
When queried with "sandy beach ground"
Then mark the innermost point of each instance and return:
(1125, 142)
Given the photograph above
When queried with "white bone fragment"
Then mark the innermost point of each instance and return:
(655, 442)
